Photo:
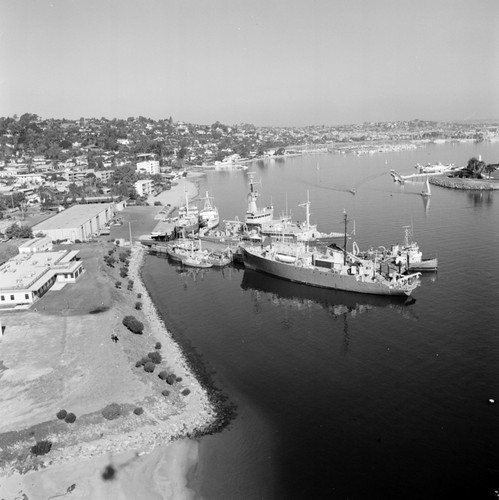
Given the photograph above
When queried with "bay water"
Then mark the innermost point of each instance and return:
(341, 395)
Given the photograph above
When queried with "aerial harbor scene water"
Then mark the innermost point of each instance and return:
(268, 270)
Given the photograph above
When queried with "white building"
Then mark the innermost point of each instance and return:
(26, 277)
(35, 245)
(79, 222)
(147, 164)
(144, 187)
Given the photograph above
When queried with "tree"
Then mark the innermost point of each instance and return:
(16, 231)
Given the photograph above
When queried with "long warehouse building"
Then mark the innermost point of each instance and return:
(79, 222)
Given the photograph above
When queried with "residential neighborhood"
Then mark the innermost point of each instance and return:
(52, 164)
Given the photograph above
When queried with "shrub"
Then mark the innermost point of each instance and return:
(123, 273)
(122, 257)
(157, 345)
(133, 324)
(118, 284)
(41, 448)
(179, 379)
(185, 392)
(165, 392)
(170, 380)
(139, 410)
(139, 363)
(61, 414)
(149, 367)
(109, 473)
(70, 418)
(163, 374)
(138, 306)
(130, 284)
(112, 411)
(155, 357)
(139, 295)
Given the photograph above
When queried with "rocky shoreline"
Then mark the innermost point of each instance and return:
(465, 184)
(94, 440)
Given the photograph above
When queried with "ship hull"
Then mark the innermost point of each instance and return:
(324, 278)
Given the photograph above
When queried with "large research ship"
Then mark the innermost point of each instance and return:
(327, 267)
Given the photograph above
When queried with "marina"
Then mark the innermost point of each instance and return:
(355, 379)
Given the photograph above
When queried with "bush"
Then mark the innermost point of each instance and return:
(118, 284)
(139, 295)
(61, 414)
(139, 363)
(155, 357)
(165, 392)
(163, 374)
(185, 392)
(139, 410)
(149, 367)
(41, 448)
(138, 306)
(179, 379)
(157, 345)
(123, 273)
(170, 380)
(130, 284)
(133, 324)
(112, 411)
(70, 418)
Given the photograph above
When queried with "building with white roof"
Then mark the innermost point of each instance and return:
(35, 245)
(79, 222)
(26, 277)
(144, 187)
(147, 164)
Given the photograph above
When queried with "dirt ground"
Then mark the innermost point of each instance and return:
(59, 355)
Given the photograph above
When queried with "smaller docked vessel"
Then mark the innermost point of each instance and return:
(285, 229)
(405, 257)
(254, 214)
(188, 218)
(208, 215)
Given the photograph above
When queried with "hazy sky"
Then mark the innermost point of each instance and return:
(266, 62)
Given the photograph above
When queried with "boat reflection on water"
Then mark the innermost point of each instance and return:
(336, 302)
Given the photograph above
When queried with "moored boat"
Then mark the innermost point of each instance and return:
(254, 214)
(188, 219)
(406, 257)
(208, 215)
(426, 190)
(326, 267)
(285, 229)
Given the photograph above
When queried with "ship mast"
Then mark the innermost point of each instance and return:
(345, 236)
(307, 211)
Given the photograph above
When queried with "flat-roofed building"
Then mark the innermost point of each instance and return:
(35, 245)
(79, 222)
(147, 164)
(144, 187)
(26, 277)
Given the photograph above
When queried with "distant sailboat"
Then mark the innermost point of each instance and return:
(426, 190)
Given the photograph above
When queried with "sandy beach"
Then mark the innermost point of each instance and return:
(59, 355)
